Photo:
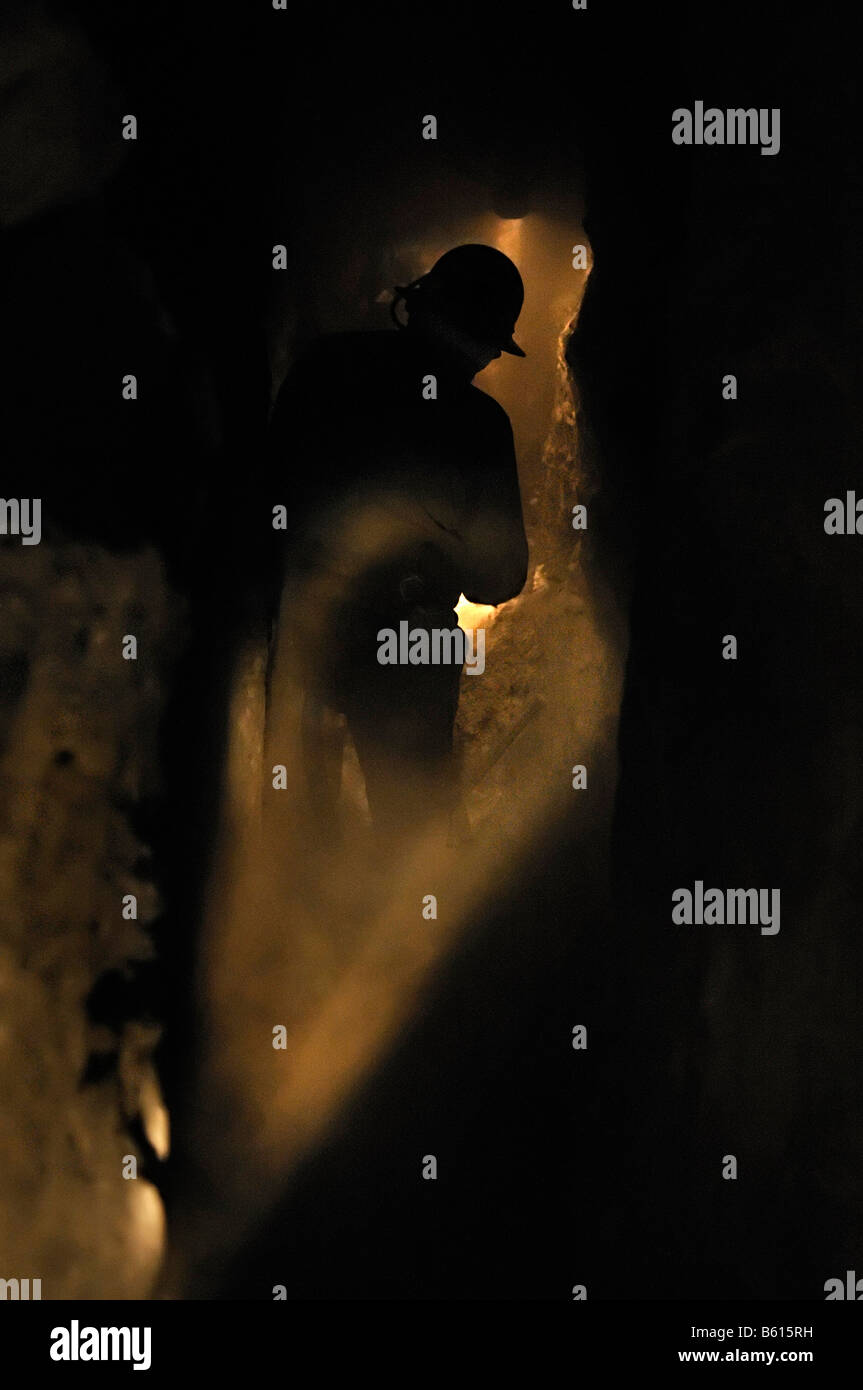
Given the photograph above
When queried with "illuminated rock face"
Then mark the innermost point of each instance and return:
(80, 764)
(79, 751)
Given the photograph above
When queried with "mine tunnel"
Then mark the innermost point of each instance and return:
(167, 914)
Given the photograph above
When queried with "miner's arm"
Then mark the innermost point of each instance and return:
(484, 552)
(496, 545)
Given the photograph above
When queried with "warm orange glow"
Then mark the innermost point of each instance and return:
(155, 1117)
(508, 239)
(473, 615)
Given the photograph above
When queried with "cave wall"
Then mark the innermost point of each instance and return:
(85, 780)
(79, 1084)
(738, 773)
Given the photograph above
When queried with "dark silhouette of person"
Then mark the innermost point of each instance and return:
(401, 485)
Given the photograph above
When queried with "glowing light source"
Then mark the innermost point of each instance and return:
(155, 1117)
(473, 615)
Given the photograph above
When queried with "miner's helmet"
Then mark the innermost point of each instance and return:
(478, 288)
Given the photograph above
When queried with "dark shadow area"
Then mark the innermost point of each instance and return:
(556, 1166)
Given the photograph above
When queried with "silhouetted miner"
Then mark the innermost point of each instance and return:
(401, 486)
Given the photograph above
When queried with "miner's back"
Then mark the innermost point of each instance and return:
(353, 408)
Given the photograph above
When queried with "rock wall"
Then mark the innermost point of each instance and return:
(79, 752)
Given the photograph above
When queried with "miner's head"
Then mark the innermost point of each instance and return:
(467, 306)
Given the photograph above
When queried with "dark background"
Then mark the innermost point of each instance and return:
(599, 1168)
